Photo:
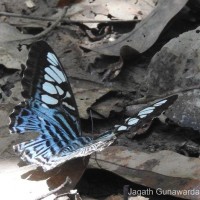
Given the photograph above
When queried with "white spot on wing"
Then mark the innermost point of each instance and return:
(160, 103)
(49, 100)
(69, 106)
(68, 95)
(48, 78)
(133, 121)
(148, 108)
(58, 73)
(142, 116)
(127, 119)
(44, 105)
(41, 119)
(52, 59)
(52, 74)
(145, 112)
(48, 87)
(60, 91)
(122, 128)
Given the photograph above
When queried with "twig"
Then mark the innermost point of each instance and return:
(7, 14)
(144, 100)
(65, 20)
(45, 32)
(68, 180)
(118, 165)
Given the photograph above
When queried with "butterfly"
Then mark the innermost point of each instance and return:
(49, 108)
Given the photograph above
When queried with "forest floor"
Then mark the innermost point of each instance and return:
(120, 58)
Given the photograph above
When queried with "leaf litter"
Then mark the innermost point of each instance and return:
(107, 84)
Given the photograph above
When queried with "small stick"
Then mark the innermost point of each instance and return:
(7, 14)
(145, 100)
(68, 180)
(65, 20)
(46, 31)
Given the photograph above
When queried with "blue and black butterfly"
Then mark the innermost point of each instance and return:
(50, 109)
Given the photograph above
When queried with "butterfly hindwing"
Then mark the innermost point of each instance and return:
(50, 152)
(23, 119)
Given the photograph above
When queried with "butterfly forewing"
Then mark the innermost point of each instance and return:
(45, 81)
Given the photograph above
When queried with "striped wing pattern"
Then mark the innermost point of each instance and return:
(49, 108)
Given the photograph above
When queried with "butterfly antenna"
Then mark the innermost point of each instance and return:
(92, 127)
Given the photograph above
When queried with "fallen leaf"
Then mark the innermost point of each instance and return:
(106, 106)
(165, 169)
(144, 35)
(11, 57)
(108, 10)
(11, 88)
(85, 98)
(115, 197)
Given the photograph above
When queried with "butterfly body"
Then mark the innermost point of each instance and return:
(49, 108)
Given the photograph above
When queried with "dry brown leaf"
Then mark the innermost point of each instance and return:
(144, 35)
(108, 10)
(11, 57)
(165, 169)
(115, 197)
(107, 105)
(85, 98)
